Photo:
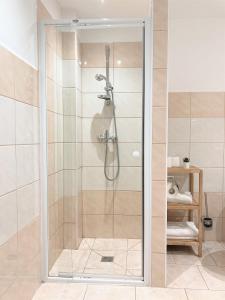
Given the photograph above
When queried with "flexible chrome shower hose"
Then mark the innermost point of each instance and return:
(117, 146)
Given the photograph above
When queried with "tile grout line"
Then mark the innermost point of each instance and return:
(85, 292)
(185, 290)
(203, 278)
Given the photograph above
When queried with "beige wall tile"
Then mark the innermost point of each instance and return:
(130, 178)
(158, 273)
(27, 157)
(70, 236)
(8, 217)
(59, 44)
(7, 117)
(97, 202)
(179, 130)
(207, 130)
(215, 205)
(68, 45)
(205, 105)
(128, 55)
(127, 203)
(159, 234)
(8, 169)
(50, 63)
(160, 11)
(6, 76)
(51, 95)
(93, 55)
(26, 82)
(207, 154)
(51, 36)
(160, 49)
(69, 209)
(159, 129)
(159, 87)
(127, 227)
(179, 105)
(159, 201)
(100, 226)
(52, 130)
(214, 233)
(159, 162)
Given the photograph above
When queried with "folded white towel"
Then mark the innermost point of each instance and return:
(185, 198)
(181, 230)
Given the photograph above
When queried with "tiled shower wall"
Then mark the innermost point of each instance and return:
(159, 147)
(55, 141)
(72, 140)
(112, 209)
(19, 177)
(196, 130)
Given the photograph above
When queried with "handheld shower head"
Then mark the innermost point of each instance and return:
(100, 77)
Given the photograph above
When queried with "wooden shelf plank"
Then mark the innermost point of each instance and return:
(181, 206)
(182, 242)
(183, 171)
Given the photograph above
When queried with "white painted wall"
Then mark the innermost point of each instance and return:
(196, 54)
(18, 28)
(53, 7)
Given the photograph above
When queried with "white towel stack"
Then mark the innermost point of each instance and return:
(181, 230)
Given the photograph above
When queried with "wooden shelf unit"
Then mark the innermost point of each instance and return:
(195, 205)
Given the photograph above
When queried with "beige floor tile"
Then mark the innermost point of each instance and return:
(135, 272)
(134, 260)
(94, 261)
(113, 271)
(192, 259)
(212, 246)
(80, 259)
(183, 276)
(74, 291)
(134, 244)
(206, 295)
(107, 292)
(145, 293)
(219, 258)
(49, 291)
(110, 244)
(214, 277)
(170, 259)
(86, 244)
(5, 284)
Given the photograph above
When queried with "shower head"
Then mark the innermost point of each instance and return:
(100, 77)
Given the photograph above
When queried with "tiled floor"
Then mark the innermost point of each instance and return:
(126, 253)
(189, 278)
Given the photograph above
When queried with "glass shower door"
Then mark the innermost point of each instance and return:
(94, 92)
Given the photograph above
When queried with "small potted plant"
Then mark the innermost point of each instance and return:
(186, 162)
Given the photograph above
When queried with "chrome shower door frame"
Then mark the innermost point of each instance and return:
(146, 23)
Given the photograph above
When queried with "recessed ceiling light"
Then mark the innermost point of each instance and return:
(102, 1)
(119, 62)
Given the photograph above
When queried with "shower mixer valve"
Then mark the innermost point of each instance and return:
(105, 137)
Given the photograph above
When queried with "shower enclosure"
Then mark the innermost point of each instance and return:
(95, 149)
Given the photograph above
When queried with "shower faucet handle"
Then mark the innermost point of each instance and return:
(105, 137)
(105, 97)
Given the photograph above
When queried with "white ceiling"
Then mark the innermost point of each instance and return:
(107, 8)
(179, 9)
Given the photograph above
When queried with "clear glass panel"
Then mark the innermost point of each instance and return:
(95, 140)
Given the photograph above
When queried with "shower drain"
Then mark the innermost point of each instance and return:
(107, 259)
